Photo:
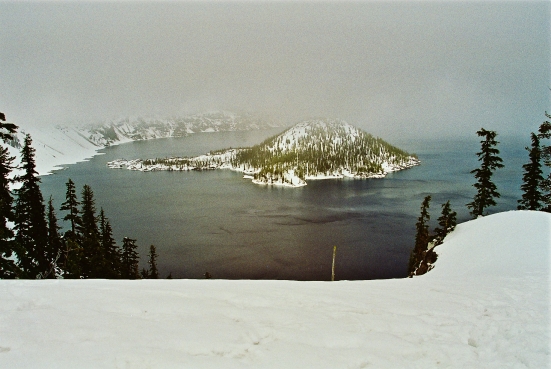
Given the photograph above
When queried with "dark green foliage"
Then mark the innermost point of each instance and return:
(30, 219)
(93, 257)
(72, 258)
(446, 223)
(422, 237)
(129, 259)
(8, 269)
(111, 252)
(6, 129)
(532, 197)
(55, 246)
(490, 161)
(144, 274)
(545, 185)
(71, 206)
(153, 273)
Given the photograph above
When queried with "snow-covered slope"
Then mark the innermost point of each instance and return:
(61, 145)
(485, 305)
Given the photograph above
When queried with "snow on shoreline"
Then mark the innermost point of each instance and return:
(485, 305)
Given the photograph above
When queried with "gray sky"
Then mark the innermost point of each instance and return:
(392, 68)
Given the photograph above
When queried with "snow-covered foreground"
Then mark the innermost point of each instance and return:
(485, 305)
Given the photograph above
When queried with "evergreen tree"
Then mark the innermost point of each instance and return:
(8, 269)
(545, 185)
(532, 197)
(490, 161)
(71, 206)
(446, 223)
(93, 259)
(30, 218)
(110, 249)
(153, 273)
(72, 259)
(144, 274)
(7, 130)
(55, 246)
(129, 259)
(422, 237)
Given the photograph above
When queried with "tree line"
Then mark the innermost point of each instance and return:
(536, 194)
(31, 245)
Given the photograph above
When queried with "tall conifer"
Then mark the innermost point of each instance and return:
(30, 218)
(92, 257)
(532, 197)
(71, 206)
(545, 133)
(446, 223)
(422, 237)
(110, 249)
(152, 261)
(55, 246)
(130, 259)
(8, 269)
(490, 161)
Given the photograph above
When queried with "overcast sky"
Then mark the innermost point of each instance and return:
(392, 68)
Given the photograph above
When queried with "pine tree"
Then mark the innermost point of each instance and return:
(446, 222)
(487, 190)
(422, 237)
(8, 269)
(55, 246)
(153, 273)
(92, 261)
(532, 197)
(71, 206)
(129, 259)
(545, 185)
(110, 249)
(144, 274)
(7, 130)
(30, 218)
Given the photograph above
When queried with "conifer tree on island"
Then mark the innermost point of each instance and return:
(532, 197)
(8, 269)
(30, 218)
(422, 237)
(490, 161)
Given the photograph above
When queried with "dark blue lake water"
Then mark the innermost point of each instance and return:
(216, 221)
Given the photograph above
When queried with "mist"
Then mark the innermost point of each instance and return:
(395, 69)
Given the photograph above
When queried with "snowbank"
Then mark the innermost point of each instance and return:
(485, 305)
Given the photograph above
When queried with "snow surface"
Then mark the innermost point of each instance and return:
(485, 305)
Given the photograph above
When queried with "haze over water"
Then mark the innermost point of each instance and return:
(216, 221)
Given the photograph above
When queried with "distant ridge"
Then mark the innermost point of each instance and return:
(313, 149)
(61, 145)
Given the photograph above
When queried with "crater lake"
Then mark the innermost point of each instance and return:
(216, 221)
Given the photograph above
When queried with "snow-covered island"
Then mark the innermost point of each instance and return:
(313, 149)
(484, 305)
